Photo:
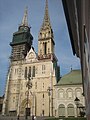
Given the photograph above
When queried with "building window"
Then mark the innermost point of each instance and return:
(78, 92)
(29, 71)
(36, 70)
(43, 95)
(61, 93)
(70, 110)
(43, 85)
(61, 110)
(69, 93)
(25, 75)
(33, 73)
(43, 69)
(45, 48)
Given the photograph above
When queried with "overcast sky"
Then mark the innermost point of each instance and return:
(11, 13)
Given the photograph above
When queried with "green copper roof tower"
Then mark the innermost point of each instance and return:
(22, 40)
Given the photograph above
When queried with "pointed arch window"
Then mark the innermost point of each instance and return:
(45, 48)
(25, 75)
(43, 95)
(29, 71)
(33, 75)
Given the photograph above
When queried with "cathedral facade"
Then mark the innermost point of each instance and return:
(31, 76)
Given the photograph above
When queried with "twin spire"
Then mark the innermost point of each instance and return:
(46, 17)
(46, 20)
(25, 18)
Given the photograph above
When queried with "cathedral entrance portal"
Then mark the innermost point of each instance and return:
(23, 108)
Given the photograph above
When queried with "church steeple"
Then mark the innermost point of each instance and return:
(45, 37)
(24, 24)
(46, 20)
(22, 40)
(25, 18)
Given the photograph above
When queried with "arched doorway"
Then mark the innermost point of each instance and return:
(70, 110)
(23, 107)
(61, 110)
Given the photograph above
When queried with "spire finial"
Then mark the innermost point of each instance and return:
(25, 18)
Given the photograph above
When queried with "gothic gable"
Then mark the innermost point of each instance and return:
(31, 56)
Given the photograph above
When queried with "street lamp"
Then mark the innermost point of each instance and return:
(77, 101)
(29, 86)
(49, 93)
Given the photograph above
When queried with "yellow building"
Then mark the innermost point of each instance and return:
(31, 76)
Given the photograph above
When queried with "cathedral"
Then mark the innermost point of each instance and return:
(32, 76)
